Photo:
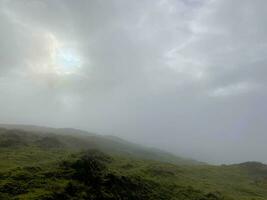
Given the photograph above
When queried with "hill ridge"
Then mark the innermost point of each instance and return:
(79, 139)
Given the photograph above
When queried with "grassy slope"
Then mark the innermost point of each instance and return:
(234, 181)
(23, 161)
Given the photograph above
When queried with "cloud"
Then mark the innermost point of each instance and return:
(187, 76)
(236, 89)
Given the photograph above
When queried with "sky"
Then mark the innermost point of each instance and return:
(186, 76)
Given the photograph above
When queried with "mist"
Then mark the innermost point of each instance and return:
(185, 76)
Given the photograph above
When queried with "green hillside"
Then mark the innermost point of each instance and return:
(52, 165)
(81, 140)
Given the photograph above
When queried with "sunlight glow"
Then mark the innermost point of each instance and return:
(67, 61)
(62, 59)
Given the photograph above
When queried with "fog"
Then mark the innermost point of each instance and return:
(186, 76)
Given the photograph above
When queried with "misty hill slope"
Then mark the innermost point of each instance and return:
(75, 139)
(50, 166)
(254, 169)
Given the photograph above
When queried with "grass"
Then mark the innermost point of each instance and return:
(233, 181)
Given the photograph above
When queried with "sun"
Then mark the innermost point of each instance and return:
(64, 58)
(66, 61)
(56, 58)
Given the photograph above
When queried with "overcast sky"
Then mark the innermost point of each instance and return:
(187, 76)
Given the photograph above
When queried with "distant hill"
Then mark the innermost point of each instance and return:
(254, 169)
(81, 140)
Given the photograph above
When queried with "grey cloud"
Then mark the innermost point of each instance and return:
(186, 76)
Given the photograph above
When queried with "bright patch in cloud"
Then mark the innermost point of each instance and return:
(235, 89)
(55, 57)
(67, 61)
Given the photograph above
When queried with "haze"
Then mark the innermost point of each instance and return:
(186, 76)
